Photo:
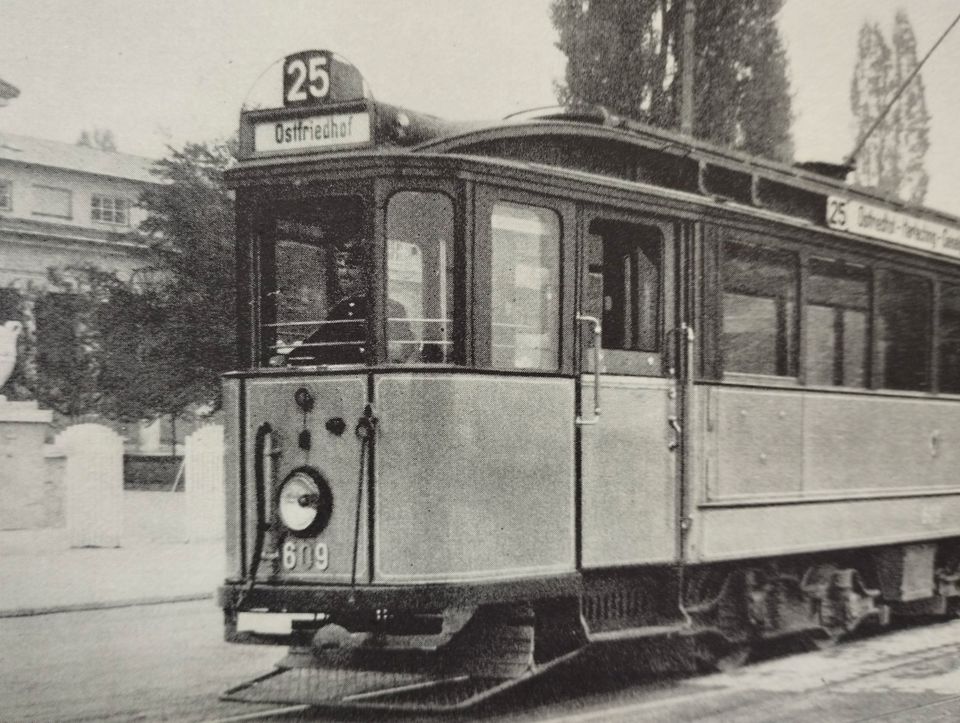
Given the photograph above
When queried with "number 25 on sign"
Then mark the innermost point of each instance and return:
(306, 78)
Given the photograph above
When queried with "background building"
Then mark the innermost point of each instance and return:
(63, 208)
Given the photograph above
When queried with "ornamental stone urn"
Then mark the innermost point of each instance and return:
(8, 349)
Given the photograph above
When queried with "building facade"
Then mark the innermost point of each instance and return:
(63, 208)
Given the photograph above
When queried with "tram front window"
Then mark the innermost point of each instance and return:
(315, 297)
(420, 258)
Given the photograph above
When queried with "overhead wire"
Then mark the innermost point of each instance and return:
(851, 157)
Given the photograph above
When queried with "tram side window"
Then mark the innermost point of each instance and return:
(837, 329)
(759, 310)
(950, 339)
(525, 277)
(904, 305)
(314, 288)
(623, 291)
(420, 278)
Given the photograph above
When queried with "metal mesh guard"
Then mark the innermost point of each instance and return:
(337, 687)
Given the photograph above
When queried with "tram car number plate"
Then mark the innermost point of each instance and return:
(304, 556)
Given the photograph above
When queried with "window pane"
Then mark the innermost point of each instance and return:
(950, 339)
(525, 275)
(315, 296)
(419, 278)
(855, 344)
(821, 345)
(838, 301)
(759, 310)
(904, 303)
(623, 284)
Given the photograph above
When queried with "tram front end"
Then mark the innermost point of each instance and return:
(400, 464)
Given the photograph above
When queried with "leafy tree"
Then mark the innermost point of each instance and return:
(892, 157)
(154, 345)
(912, 122)
(868, 96)
(625, 55)
(165, 337)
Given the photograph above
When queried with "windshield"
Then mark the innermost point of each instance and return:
(315, 296)
(420, 277)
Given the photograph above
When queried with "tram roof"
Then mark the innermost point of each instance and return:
(608, 147)
(604, 130)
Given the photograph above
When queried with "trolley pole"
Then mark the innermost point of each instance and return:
(686, 68)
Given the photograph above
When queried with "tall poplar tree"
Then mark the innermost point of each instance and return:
(912, 126)
(892, 158)
(625, 55)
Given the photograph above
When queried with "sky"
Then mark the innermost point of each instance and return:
(162, 72)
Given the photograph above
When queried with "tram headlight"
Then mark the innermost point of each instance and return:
(305, 502)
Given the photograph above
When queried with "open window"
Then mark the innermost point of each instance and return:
(623, 287)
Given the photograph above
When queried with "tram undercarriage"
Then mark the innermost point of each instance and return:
(459, 656)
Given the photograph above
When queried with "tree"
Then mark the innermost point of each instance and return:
(912, 125)
(892, 157)
(156, 344)
(625, 55)
(868, 95)
(166, 337)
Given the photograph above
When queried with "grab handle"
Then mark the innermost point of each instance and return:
(597, 342)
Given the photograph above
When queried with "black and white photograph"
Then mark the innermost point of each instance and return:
(561, 361)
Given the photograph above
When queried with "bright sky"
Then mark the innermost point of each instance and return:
(161, 72)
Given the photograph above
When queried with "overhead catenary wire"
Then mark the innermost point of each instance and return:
(851, 158)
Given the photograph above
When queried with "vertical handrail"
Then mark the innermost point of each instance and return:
(597, 342)
(262, 451)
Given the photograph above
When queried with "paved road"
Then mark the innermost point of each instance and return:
(167, 662)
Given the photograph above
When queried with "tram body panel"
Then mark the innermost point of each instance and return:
(628, 473)
(807, 471)
(749, 531)
(232, 464)
(335, 456)
(880, 443)
(474, 477)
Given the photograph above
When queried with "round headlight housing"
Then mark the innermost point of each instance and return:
(305, 502)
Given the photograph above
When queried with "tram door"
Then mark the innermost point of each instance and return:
(627, 468)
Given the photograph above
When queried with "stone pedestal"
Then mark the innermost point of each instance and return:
(24, 490)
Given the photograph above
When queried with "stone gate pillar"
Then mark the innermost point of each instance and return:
(93, 480)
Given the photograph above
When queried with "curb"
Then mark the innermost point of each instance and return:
(85, 607)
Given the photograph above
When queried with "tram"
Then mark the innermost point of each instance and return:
(519, 390)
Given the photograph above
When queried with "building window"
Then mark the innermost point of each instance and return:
(6, 195)
(759, 310)
(108, 209)
(49, 201)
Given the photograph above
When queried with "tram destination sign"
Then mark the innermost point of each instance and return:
(323, 107)
(315, 132)
(875, 221)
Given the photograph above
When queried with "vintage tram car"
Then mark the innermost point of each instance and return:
(518, 390)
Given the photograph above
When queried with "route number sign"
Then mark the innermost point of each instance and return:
(306, 78)
(316, 78)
